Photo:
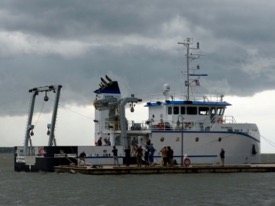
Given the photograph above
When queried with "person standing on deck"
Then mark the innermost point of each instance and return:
(222, 156)
(99, 142)
(127, 156)
(164, 152)
(139, 156)
(170, 156)
(134, 145)
(146, 155)
(151, 150)
(115, 156)
(82, 158)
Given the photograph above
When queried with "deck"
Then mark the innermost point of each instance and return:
(158, 169)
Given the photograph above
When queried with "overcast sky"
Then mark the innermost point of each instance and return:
(74, 43)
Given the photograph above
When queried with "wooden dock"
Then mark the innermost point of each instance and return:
(157, 169)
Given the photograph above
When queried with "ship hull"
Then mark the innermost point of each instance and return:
(200, 147)
(204, 147)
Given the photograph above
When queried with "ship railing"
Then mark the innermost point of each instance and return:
(169, 125)
(188, 125)
(137, 126)
(145, 125)
(229, 119)
(221, 120)
(199, 125)
(196, 96)
(130, 125)
(185, 125)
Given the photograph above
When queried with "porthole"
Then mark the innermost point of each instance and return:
(220, 139)
(177, 139)
(197, 139)
(162, 139)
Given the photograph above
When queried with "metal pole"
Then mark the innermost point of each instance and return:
(123, 120)
(29, 124)
(187, 65)
(187, 45)
(182, 138)
(52, 141)
(182, 142)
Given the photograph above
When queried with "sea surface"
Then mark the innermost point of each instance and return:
(23, 188)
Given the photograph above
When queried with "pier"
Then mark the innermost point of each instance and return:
(157, 169)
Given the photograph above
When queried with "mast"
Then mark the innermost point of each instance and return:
(189, 57)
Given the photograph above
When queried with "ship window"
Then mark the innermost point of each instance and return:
(182, 110)
(203, 110)
(170, 110)
(213, 110)
(221, 110)
(192, 110)
(176, 110)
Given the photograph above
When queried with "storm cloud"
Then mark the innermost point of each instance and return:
(74, 43)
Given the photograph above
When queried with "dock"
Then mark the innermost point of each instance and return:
(158, 169)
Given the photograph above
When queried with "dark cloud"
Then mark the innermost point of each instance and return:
(74, 43)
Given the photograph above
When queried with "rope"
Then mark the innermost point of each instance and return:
(76, 112)
(64, 107)
(268, 141)
(42, 106)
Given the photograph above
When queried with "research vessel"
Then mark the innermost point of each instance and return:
(193, 125)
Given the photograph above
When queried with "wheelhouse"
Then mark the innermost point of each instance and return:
(192, 113)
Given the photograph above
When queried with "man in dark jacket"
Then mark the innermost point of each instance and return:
(222, 156)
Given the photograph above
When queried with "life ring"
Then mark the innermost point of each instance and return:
(41, 151)
(186, 162)
(161, 126)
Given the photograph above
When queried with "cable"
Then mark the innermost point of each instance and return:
(64, 107)
(76, 112)
(268, 141)
(42, 106)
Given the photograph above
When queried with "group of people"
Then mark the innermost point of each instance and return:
(147, 151)
(105, 141)
(167, 154)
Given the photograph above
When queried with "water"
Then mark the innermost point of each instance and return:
(21, 188)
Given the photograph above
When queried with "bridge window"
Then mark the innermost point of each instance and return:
(220, 110)
(182, 110)
(213, 110)
(176, 110)
(169, 110)
(203, 110)
(192, 110)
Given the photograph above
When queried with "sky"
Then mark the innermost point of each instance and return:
(74, 43)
